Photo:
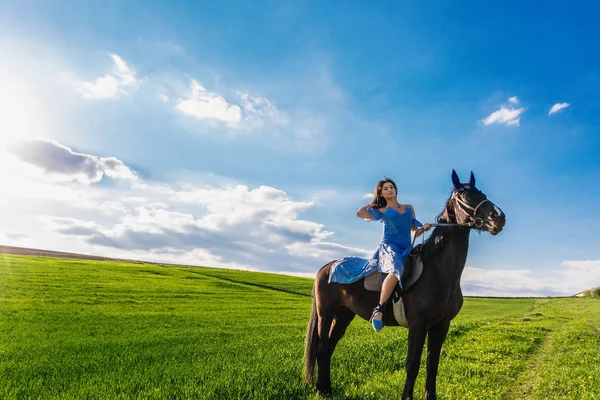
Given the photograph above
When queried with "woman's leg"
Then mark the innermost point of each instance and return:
(387, 288)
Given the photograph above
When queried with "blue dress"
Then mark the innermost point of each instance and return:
(389, 257)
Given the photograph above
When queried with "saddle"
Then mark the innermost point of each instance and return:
(413, 267)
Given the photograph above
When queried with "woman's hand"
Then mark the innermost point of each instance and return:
(422, 230)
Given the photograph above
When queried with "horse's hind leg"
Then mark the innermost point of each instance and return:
(342, 320)
(436, 337)
(323, 358)
(338, 326)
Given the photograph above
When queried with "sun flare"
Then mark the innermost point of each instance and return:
(21, 113)
(21, 117)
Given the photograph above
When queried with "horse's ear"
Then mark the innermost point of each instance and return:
(472, 180)
(455, 179)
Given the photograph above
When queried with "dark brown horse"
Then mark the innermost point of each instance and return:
(430, 304)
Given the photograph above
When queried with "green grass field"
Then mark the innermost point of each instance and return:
(72, 329)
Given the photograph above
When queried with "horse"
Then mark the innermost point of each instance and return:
(430, 304)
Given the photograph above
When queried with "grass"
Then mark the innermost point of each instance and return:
(72, 329)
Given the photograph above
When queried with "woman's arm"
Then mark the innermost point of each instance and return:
(363, 213)
(415, 229)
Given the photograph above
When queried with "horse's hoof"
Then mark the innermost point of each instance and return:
(324, 392)
(430, 396)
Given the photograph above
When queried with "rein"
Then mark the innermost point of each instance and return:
(423, 235)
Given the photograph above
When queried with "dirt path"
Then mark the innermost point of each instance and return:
(525, 384)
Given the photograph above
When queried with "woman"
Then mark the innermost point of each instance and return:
(399, 222)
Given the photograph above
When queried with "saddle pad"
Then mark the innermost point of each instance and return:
(374, 281)
(399, 312)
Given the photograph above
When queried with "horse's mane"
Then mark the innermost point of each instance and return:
(435, 242)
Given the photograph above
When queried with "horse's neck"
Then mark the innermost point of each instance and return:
(453, 256)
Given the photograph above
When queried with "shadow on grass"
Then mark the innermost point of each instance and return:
(258, 285)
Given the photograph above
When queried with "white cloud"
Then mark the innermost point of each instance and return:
(508, 116)
(571, 278)
(155, 220)
(260, 109)
(120, 81)
(505, 114)
(62, 163)
(249, 111)
(326, 250)
(232, 205)
(557, 107)
(70, 226)
(202, 104)
(581, 275)
(16, 236)
(115, 168)
(207, 107)
(215, 224)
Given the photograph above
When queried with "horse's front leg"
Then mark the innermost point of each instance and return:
(416, 339)
(437, 334)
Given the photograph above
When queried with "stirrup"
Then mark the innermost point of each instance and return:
(377, 324)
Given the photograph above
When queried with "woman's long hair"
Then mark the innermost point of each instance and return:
(378, 199)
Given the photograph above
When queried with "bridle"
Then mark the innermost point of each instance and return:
(472, 219)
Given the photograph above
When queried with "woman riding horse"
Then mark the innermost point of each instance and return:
(429, 305)
(399, 221)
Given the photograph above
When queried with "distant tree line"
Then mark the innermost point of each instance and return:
(593, 292)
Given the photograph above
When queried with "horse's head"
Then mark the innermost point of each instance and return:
(471, 208)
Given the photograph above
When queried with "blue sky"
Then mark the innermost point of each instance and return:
(247, 135)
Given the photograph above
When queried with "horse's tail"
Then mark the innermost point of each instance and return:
(312, 341)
